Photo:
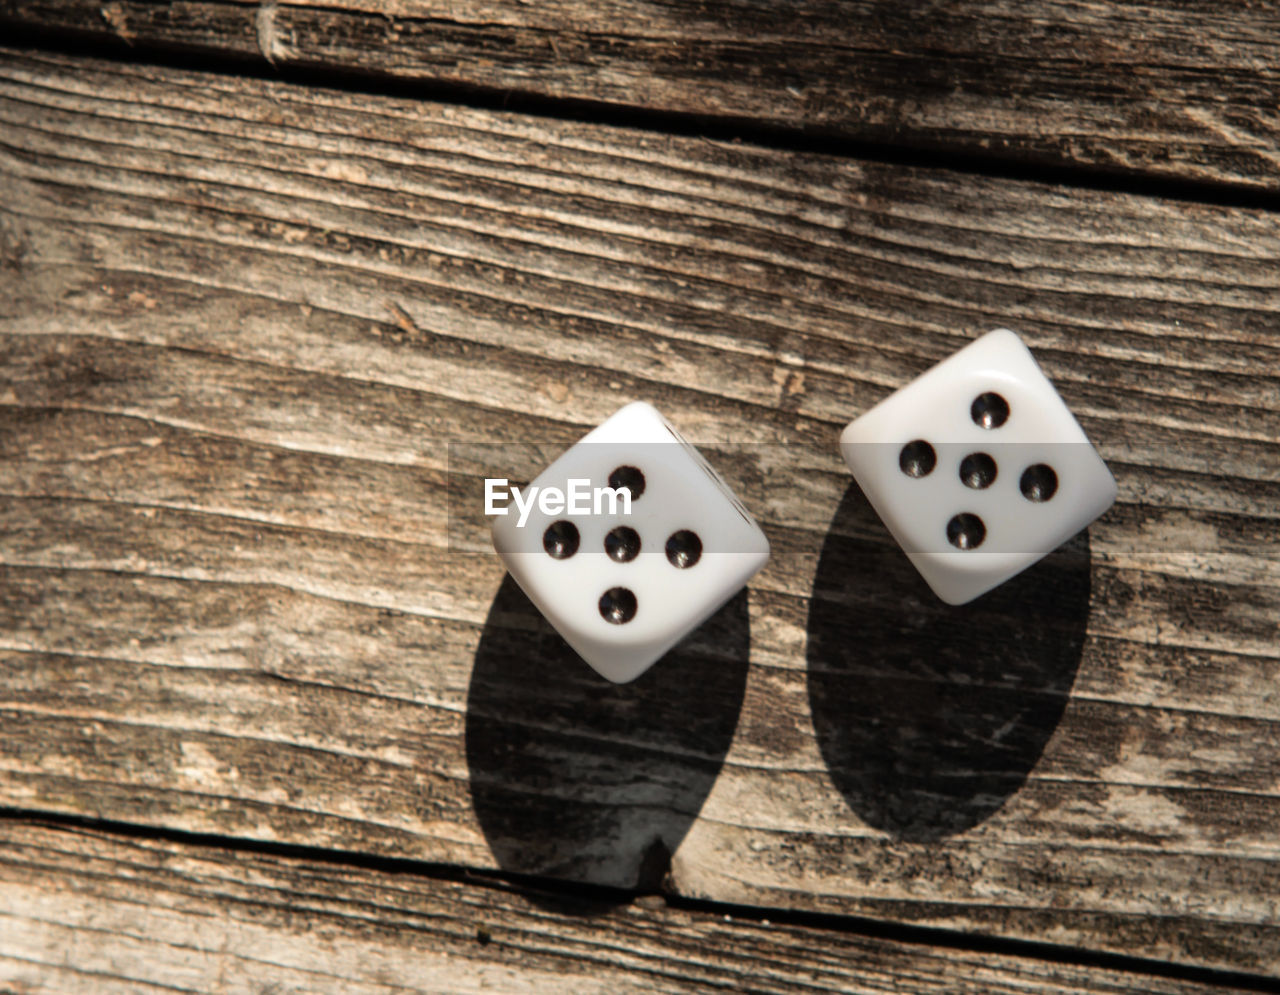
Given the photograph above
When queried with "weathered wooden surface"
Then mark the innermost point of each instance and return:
(1188, 90)
(88, 912)
(243, 320)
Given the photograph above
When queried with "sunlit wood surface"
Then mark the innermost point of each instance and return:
(270, 713)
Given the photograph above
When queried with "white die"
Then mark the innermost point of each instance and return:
(987, 508)
(622, 610)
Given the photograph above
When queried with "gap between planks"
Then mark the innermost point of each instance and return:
(507, 906)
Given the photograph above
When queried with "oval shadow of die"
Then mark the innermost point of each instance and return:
(574, 777)
(930, 716)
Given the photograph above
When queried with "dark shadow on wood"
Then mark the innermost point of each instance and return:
(577, 778)
(930, 716)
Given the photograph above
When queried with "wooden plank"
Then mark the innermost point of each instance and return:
(90, 912)
(244, 322)
(1188, 91)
